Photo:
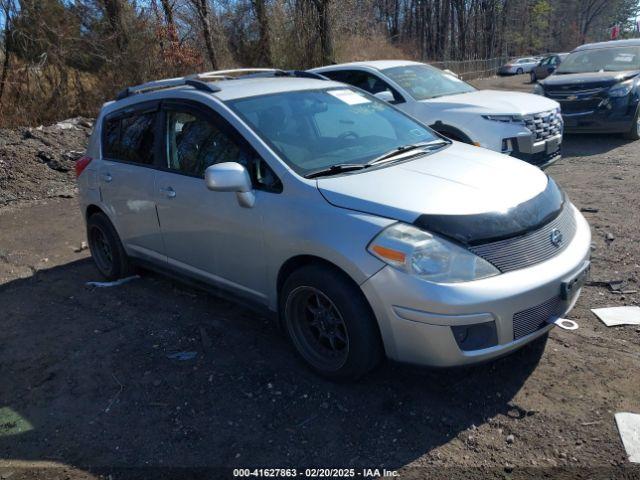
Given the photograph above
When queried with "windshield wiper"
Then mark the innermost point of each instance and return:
(403, 149)
(337, 168)
(348, 167)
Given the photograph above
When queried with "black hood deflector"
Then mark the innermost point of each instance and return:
(493, 226)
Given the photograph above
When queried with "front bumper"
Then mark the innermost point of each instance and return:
(416, 317)
(539, 153)
(507, 70)
(611, 115)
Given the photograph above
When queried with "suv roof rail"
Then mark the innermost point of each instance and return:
(191, 81)
(259, 72)
(199, 80)
(223, 74)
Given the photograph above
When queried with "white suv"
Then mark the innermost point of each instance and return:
(514, 123)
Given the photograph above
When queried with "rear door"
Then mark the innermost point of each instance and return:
(207, 234)
(130, 148)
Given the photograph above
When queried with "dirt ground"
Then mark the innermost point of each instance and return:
(87, 389)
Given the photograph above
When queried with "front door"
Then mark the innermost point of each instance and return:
(207, 234)
(126, 176)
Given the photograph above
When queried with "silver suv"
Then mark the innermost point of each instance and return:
(368, 233)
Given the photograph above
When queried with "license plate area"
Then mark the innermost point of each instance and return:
(570, 286)
(553, 144)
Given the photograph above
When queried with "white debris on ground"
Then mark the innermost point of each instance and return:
(73, 123)
(629, 428)
(614, 316)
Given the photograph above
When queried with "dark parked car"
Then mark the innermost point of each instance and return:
(547, 66)
(598, 88)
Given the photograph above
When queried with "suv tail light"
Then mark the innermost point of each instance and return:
(81, 164)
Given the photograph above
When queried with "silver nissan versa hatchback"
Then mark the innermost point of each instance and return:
(368, 233)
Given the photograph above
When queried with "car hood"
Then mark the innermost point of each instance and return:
(587, 80)
(444, 191)
(496, 102)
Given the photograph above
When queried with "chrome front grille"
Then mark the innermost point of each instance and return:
(533, 319)
(532, 248)
(544, 125)
(581, 94)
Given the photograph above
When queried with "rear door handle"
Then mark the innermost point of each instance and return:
(106, 177)
(168, 192)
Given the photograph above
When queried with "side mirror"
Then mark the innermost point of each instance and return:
(385, 96)
(231, 177)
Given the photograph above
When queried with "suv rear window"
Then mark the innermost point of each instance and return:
(130, 138)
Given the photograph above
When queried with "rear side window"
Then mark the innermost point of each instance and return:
(130, 138)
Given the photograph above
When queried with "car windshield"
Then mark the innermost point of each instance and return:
(317, 129)
(423, 81)
(601, 60)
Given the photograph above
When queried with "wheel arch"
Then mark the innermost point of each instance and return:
(299, 261)
(92, 209)
(296, 262)
(449, 130)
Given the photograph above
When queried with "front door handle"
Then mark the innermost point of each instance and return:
(168, 192)
(106, 177)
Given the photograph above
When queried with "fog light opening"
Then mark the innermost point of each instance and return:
(507, 146)
(475, 337)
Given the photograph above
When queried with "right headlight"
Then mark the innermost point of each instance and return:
(427, 256)
(504, 118)
(538, 90)
(622, 89)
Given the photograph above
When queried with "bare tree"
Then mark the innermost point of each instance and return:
(324, 30)
(204, 17)
(8, 9)
(114, 12)
(264, 42)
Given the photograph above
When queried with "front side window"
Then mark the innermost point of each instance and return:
(130, 138)
(364, 80)
(315, 129)
(195, 143)
(423, 81)
(601, 60)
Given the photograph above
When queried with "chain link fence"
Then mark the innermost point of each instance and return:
(472, 69)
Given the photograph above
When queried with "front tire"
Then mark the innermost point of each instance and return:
(634, 132)
(519, 71)
(330, 323)
(532, 77)
(106, 248)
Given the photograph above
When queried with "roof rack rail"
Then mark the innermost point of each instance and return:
(228, 73)
(191, 81)
(199, 80)
(259, 72)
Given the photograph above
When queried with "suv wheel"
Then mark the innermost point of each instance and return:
(532, 77)
(330, 323)
(634, 132)
(106, 248)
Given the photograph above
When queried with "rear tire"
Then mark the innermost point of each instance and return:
(532, 77)
(330, 323)
(106, 248)
(519, 71)
(634, 132)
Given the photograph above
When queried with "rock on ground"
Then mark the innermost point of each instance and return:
(38, 163)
